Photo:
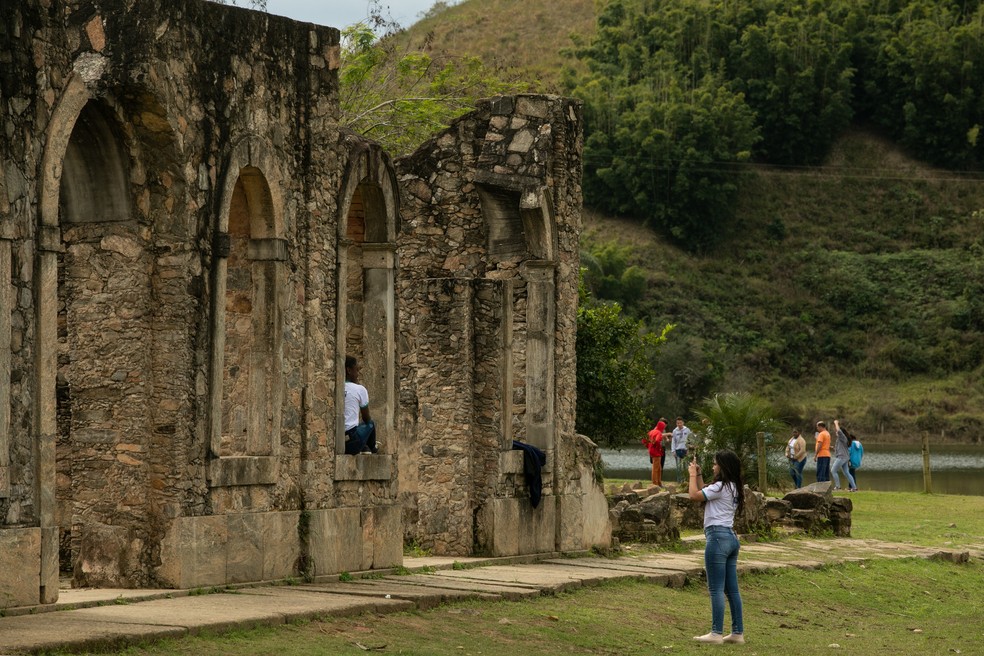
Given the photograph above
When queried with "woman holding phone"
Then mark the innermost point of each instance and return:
(724, 497)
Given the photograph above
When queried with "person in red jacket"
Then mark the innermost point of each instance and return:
(654, 442)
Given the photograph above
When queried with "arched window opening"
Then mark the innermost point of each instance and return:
(251, 368)
(367, 305)
(94, 173)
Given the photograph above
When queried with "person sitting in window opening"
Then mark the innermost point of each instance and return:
(360, 430)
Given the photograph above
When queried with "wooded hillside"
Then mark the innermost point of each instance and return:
(824, 247)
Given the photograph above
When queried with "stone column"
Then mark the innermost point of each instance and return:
(379, 338)
(49, 244)
(6, 303)
(445, 415)
(220, 272)
(540, 320)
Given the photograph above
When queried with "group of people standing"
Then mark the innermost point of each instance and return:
(679, 444)
(848, 452)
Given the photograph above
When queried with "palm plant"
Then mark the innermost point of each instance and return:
(733, 421)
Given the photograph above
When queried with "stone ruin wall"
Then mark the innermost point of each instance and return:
(148, 146)
(488, 293)
(177, 209)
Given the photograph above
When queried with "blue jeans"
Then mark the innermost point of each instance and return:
(796, 471)
(823, 469)
(840, 465)
(361, 438)
(721, 563)
(681, 464)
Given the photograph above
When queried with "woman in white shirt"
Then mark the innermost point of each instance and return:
(724, 497)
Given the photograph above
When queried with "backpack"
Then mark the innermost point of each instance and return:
(856, 453)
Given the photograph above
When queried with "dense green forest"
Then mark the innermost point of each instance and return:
(715, 123)
(795, 186)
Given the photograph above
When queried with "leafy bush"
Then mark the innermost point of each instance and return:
(613, 372)
(733, 421)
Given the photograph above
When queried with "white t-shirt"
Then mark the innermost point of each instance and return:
(356, 398)
(721, 504)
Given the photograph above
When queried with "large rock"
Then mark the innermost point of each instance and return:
(812, 496)
(651, 520)
(688, 513)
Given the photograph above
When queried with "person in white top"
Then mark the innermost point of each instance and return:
(680, 443)
(724, 497)
(360, 430)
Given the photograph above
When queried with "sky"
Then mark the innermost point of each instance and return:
(341, 13)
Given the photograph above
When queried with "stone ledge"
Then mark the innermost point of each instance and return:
(364, 467)
(511, 462)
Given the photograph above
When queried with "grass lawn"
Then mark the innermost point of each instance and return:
(907, 606)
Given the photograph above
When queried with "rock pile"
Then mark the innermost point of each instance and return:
(654, 514)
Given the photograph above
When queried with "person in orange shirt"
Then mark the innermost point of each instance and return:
(654, 443)
(822, 453)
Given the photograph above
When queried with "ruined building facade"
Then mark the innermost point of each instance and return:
(189, 247)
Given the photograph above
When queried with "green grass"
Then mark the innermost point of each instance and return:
(882, 607)
(925, 519)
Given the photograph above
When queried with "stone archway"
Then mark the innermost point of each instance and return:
(366, 309)
(249, 252)
(104, 207)
(92, 303)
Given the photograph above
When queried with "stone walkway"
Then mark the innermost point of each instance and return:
(97, 619)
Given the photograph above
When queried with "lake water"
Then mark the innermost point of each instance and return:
(957, 469)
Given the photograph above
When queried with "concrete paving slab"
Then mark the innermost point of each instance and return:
(671, 578)
(72, 598)
(502, 590)
(422, 597)
(254, 607)
(546, 577)
(70, 632)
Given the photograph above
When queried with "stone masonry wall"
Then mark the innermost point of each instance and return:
(192, 245)
(491, 213)
(126, 126)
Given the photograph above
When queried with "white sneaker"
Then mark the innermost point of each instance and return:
(735, 638)
(710, 638)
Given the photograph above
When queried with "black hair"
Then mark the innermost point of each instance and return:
(350, 361)
(729, 471)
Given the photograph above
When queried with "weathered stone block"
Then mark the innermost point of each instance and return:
(375, 467)
(387, 536)
(335, 540)
(263, 546)
(49, 564)
(511, 462)
(193, 552)
(812, 496)
(20, 574)
(515, 527)
(584, 517)
(244, 562)
(104, 552)
(689, 514)
(281, 546)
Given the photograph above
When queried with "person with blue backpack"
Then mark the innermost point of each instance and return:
(855, 455)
